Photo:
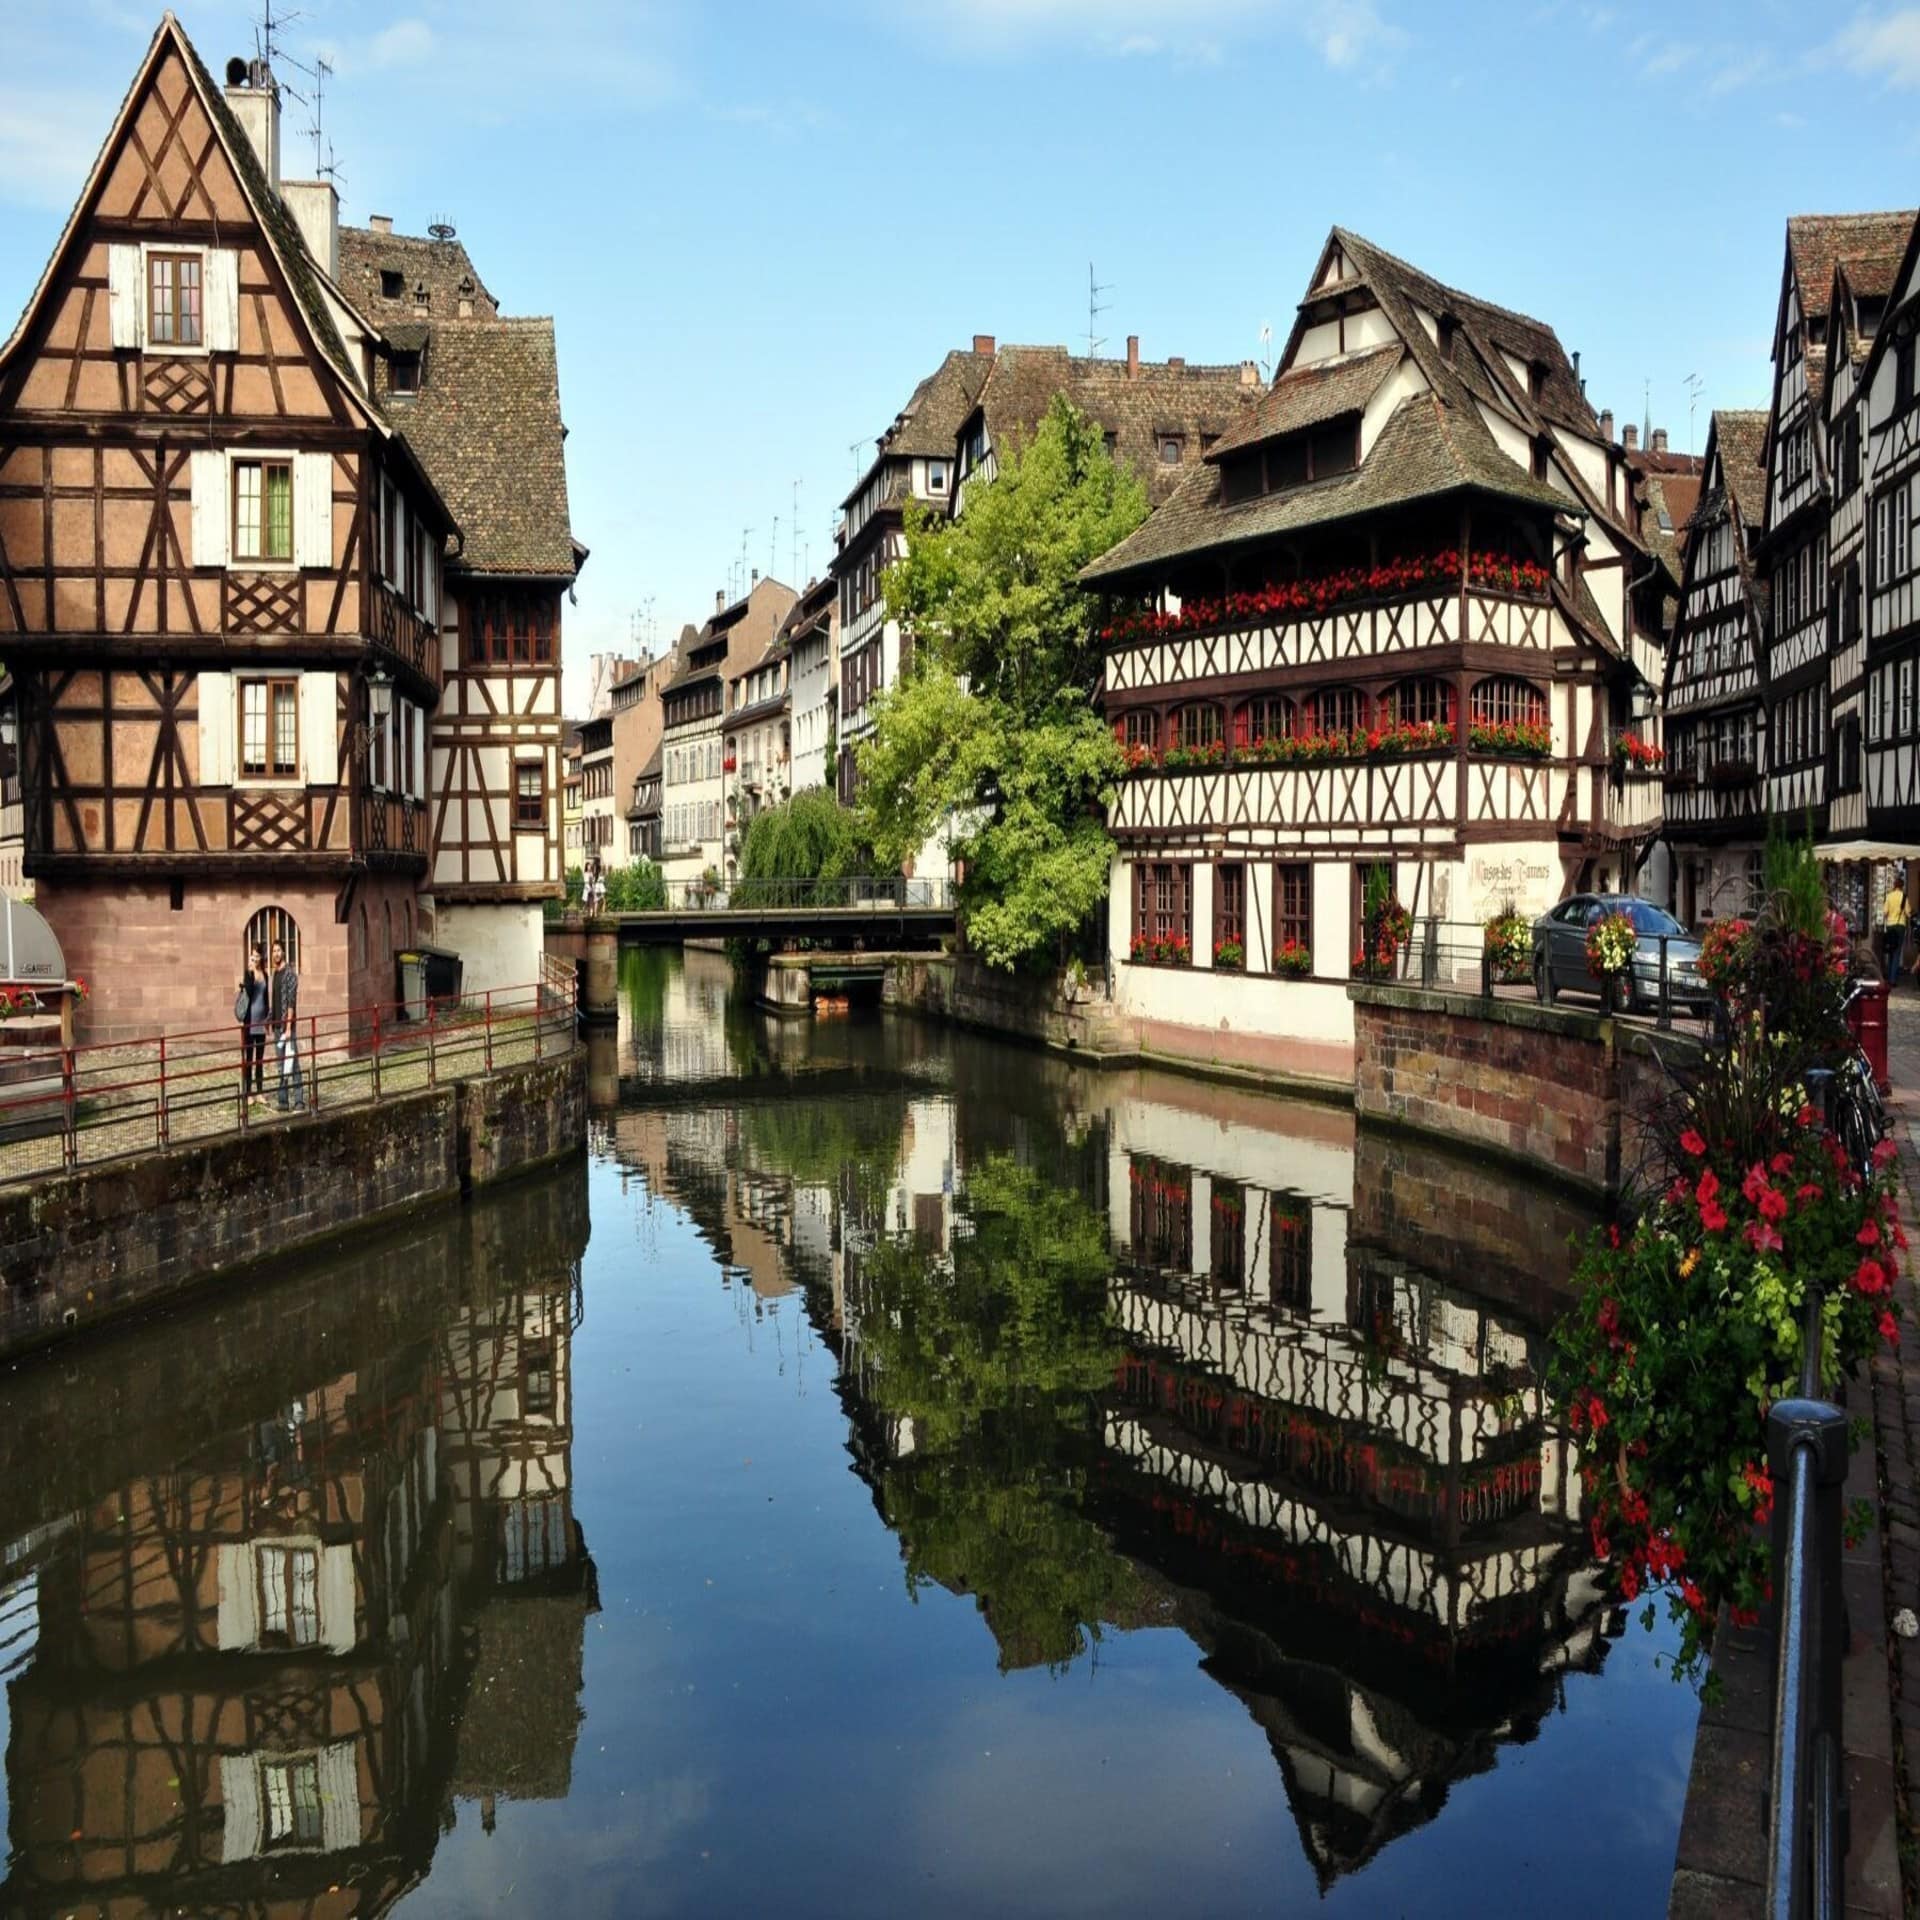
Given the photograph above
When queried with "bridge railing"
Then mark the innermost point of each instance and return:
(866, 893)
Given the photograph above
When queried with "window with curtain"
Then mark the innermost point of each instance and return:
(269, 728)
(263, 510)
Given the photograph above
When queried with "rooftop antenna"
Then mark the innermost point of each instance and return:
(1693, 383)
(1095, 341)
(855, 451)
(798, 576)
(773, 546)
(746, 534)
(1266, 349)
(1646, 413)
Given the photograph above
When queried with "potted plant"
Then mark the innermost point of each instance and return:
(1229, 955)
(1612, 941)
(1293, 960)
(1631, 754)
(1509, 940)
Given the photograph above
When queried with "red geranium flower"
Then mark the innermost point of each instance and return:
(1692, 1142)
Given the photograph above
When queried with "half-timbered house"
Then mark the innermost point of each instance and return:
(1394, 622)
(219, 575)
(476, 394)
(231, 581)
(813, 633)
(1793, 549)
(1715, 693)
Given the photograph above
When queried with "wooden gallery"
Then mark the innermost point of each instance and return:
(1405, 620)
(283, 543)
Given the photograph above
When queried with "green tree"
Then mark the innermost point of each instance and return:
(991, 730)
(808, 836)
(639, 887)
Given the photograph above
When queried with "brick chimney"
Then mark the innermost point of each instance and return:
(1133, 355)
(379, 223)
(1630, 437)
(719, 599)
(1659, 440)
(1249, 373)
(255, 102)
(1606, 425)
(315, 206)
(983, 343)
(1176, 360)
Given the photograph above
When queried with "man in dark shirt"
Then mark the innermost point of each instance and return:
(283, 1016)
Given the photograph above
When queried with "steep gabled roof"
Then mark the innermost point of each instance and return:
(277, 225)
(1870, 243)
(443, 267)
(486, 424)
(1740, 435)
(1426, 450)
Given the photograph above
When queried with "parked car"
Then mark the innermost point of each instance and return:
(1560, 955)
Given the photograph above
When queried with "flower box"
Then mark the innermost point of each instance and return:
(1511, 739)
(1230, 956)
(1294, 960)
(1161, 953)
(1631, 754)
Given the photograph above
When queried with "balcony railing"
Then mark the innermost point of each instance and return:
(400, 631)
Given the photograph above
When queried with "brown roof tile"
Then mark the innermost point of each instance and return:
(486, 425)
(442, 268)
(1816, 244)
(1309, 396)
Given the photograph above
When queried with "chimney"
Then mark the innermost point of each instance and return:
(379, 223)
(315, 207)
(1630, 437)
(1176, 360)
(1606, 426)
(254, 96)
(1249, 374)
(1133, 355)
(719, 599)
(983, 343)
(1659, 439)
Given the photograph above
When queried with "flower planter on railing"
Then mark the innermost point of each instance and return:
(1631, 754)
(1396, 740)
(1354, 586)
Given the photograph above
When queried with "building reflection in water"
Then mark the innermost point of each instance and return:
(259, 1679)
(1138, 1351)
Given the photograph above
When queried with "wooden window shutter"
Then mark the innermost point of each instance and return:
(319, 729)
(339, 1632)
(220, 282)
(339, 1794)
(213, 696)
(313, 509)
(240, 1806)
(124, 294)
(210, 507)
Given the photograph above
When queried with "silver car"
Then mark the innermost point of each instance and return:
(1560, 955)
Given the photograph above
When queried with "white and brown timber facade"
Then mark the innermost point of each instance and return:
(1715, 694)
(224, 593)
(1397, 619)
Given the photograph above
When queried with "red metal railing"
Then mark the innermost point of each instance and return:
(63, 1107)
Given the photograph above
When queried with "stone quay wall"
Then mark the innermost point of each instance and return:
(80, 1249)
(1558, 1092)
(967, 993)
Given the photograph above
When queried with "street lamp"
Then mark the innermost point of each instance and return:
(379, 696)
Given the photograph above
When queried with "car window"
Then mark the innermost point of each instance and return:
(1594, 910)
(1647, 918)
(1569, 912)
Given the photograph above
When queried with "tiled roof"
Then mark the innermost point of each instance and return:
(1816, 245)
(486, 425)
(442, 267)
(1426, 449)
(1139, 407)
(1400, 287)
(929, 423)
(1740, 435)
(1310, 396)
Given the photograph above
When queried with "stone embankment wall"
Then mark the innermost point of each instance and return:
(86, 1247)
(1558, 1092)
(961, 989)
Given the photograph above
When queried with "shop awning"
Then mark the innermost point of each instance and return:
(29, 953)
(1866, 850)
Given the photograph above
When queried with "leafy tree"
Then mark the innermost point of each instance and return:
(638, 888)
(808, 836)
(991, 729)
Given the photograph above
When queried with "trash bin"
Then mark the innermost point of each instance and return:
(412, 969)
(1867, 1022)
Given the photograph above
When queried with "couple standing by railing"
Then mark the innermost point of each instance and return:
(267, 1006)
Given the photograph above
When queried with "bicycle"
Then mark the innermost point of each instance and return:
(1855, 1110)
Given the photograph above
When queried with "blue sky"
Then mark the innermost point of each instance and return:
(758, 224)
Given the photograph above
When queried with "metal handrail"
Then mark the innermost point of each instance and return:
(860, 893)
(107, 1100)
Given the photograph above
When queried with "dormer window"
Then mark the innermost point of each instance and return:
(1536, 378)
(393, 284)
(1449, 331)
(1540, 457)
(405, 373)
(1170, 448)
(173, 299)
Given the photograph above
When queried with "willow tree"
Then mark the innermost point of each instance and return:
(991, 730)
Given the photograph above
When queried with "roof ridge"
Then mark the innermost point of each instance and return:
(1346, 234)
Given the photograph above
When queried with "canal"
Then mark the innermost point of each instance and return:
(896, 1473)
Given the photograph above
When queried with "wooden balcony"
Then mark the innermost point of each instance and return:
(393, 829)
(411, 642)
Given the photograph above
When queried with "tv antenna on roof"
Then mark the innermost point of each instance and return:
(1693, 383)
(855, 451)
(1266, 349)
(1094, 310)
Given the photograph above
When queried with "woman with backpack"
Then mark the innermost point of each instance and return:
(250, 1008)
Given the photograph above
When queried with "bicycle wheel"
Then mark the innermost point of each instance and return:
(1853, 1127)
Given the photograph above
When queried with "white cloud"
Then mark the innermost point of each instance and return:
(1347, 34)
(1883, 46)
(1669, 58)
(403, 44)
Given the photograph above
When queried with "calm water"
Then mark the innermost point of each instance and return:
(895, 1475)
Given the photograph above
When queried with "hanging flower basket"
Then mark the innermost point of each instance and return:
(1611, 945)
(1510, 948)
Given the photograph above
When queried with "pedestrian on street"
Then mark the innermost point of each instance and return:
(283, 1016)
(1893, 931)
(252, 1007)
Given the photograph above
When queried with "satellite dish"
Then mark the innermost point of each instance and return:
(441, 230)
(236, 72)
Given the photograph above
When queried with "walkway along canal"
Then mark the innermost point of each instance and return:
(895, 1472)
